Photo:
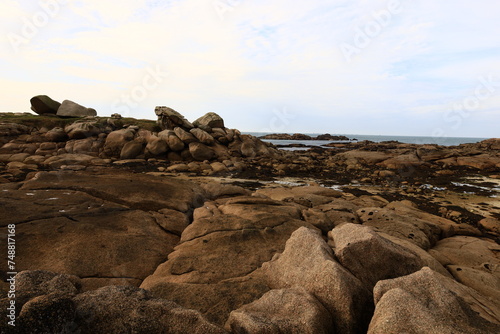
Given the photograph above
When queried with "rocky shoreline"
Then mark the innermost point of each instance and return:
(131, 226)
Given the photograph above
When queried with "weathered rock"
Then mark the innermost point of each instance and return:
(56, 135)
(71, 109)
(42, 104)
(427, 302)
(201, 152)
(307, 262)
(202, 136)
(208, 121)
(115, 309)
(80, 130)
(71, 159)
(132, 149)
(116, 140)
(422, 233)
(360, 250)
(185, 136)
(174, 142)
(169, 119)
(156, 146)
(209, 270)
(293, 311)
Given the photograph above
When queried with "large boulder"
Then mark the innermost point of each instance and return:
(308, 262)
(173, 141)
(71, 109)
(115, 309)
(293, 311)
(116, 140)
(427, 302)
(42, 104)
(360, 250)
(56, 135)
(201, 152)
(202, 136)
(80, 130)
(209, 121)
(169, 119)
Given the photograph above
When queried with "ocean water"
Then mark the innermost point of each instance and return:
(445, 141)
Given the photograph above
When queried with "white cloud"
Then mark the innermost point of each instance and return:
(258, 54)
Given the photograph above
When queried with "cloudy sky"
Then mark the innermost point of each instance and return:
(394, 67)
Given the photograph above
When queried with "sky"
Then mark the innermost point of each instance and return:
(394, 67)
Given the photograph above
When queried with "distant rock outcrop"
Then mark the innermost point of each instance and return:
(300, 136)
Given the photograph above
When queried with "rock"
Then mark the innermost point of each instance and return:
(491, 225)
(71, 109)
(56, 135)
(202, 136)
(210, 270)
(420, 232)
(132, 149)
(208, 121)
(171, 220)
(401, 162)
(47, 314)
(71, 159)
(13, 129)
(42, 104)
(174, 142)
(81, 130)
(201, 152)
(178, 168)
(361, 251)
(156, 146)
(293, 311)
(115, 309)
(185, 136)
(428, 302)
(169, 119)
(307, 262)
(318, 219)
(116, 140)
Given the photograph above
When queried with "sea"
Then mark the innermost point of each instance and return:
(444, 141)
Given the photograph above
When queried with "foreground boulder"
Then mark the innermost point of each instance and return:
(293, 311)
(307, 262)
(71, 109)
(370, 257)
(42, 104)
(427, 302)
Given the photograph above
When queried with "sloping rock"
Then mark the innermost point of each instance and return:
(42, 104)
(211, 269)
(427, 302)
(71, 159)
(202, 136)
(293, 311)
(208, 121)
(307, 262)
(71, 109)
(370, 257)
(185, 136)
(156, 146)
(420, 232)
(174, 142)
